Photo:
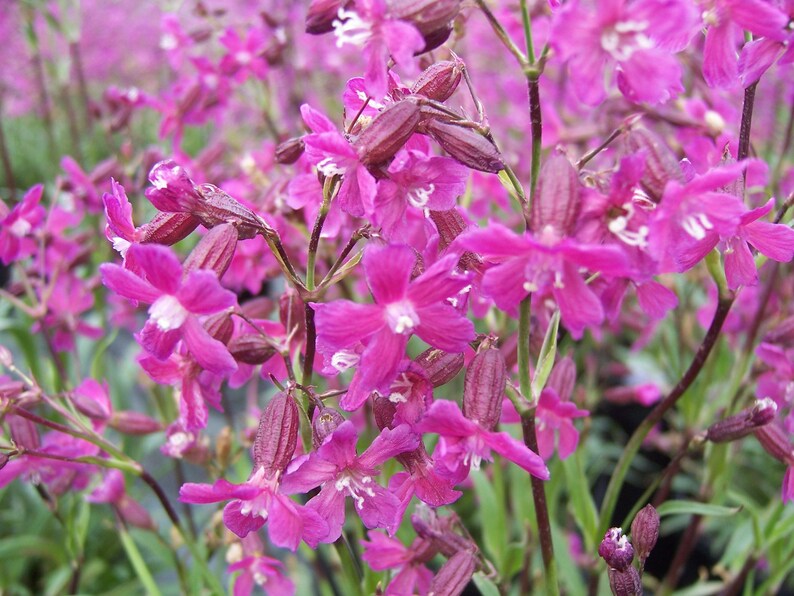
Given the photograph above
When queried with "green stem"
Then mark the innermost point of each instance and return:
(138, 564)
(531, 441)
(635, 442)
(526, 20)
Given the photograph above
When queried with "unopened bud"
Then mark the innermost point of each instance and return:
(454, 575)
(557, 200)
(439, 81)
(484, 387)
(251, 348)
(134, 423)
(465, 145)
(645, 532)
(214, 251)
(383, 410)
(626, 582)
(440, 366)
(326, 421)
(91, 399)
(220, 326)
(742, 424)
(776, 442)
(292, 312)
(450, 224)
(289, 151)
(428, 16)
(321, 15)
(661, 165)
(277, 435)
(218, 207)
(616, 549)
(388, 132)
(440, 534)
(3, 460)
(167, 228)
(23, 432)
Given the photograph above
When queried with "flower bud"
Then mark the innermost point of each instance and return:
(167, 228)
(616, 549)
(91, 399)
(3, 460)
(484, 387)
(426, 15)
(277, 435)
(783, 332)
(742, 424)
(440, 366)
(292, 312)
(388, 132)
(23, 432)
(134, 423)
(439, 532)
(557, 201)
(454, 575)
(661, 165)
(645, 532)
(776, 442)
(220, 326)
(383, 410)
(218, 207)
(289, 151)
(626, 582)
(465, 145)
(321, 15)
(251, 348)
(439, 81)
(326, 421)
(214, 251)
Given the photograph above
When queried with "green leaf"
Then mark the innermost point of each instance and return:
(485, 585)
(548, 352)
(581, 500)
(492, 520)
(695, 508)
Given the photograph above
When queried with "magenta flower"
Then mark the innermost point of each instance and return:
(256, 502)
(775, 241)
(245, 55)
(341, 473)
(176, 304)
(554, 424)
(402, 307)
(382, 553)
(17, 224)
(637, 39)
(370, 28)
(727, 19)
(332, 154)
(546, 263)
(464, 443)
(419, 181)
(265, 572)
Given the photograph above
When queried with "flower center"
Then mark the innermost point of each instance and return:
(419, 197)
(353, 486)
(344, 359)
(624, 38)
(168, 313)
(20, 228)
(401, 316)
(697, 225)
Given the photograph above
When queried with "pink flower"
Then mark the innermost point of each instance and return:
(638, 38)
(370, 27)
(256, 502)
(727, 19)
(464, 443)
(262, 571)
(245, 55)
(413, 577)
(546, 263)
(17, 224)
(176, 304)
(402, 307)
(341, 473)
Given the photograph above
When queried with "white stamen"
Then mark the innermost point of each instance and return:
(168, 313)
(350, 28)
(243, 57)
(344, 359)
(401, 316)
(419, 197)
(353, 486)
(397, 398)
(328, 168)
(697, 225)
(168, 42)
